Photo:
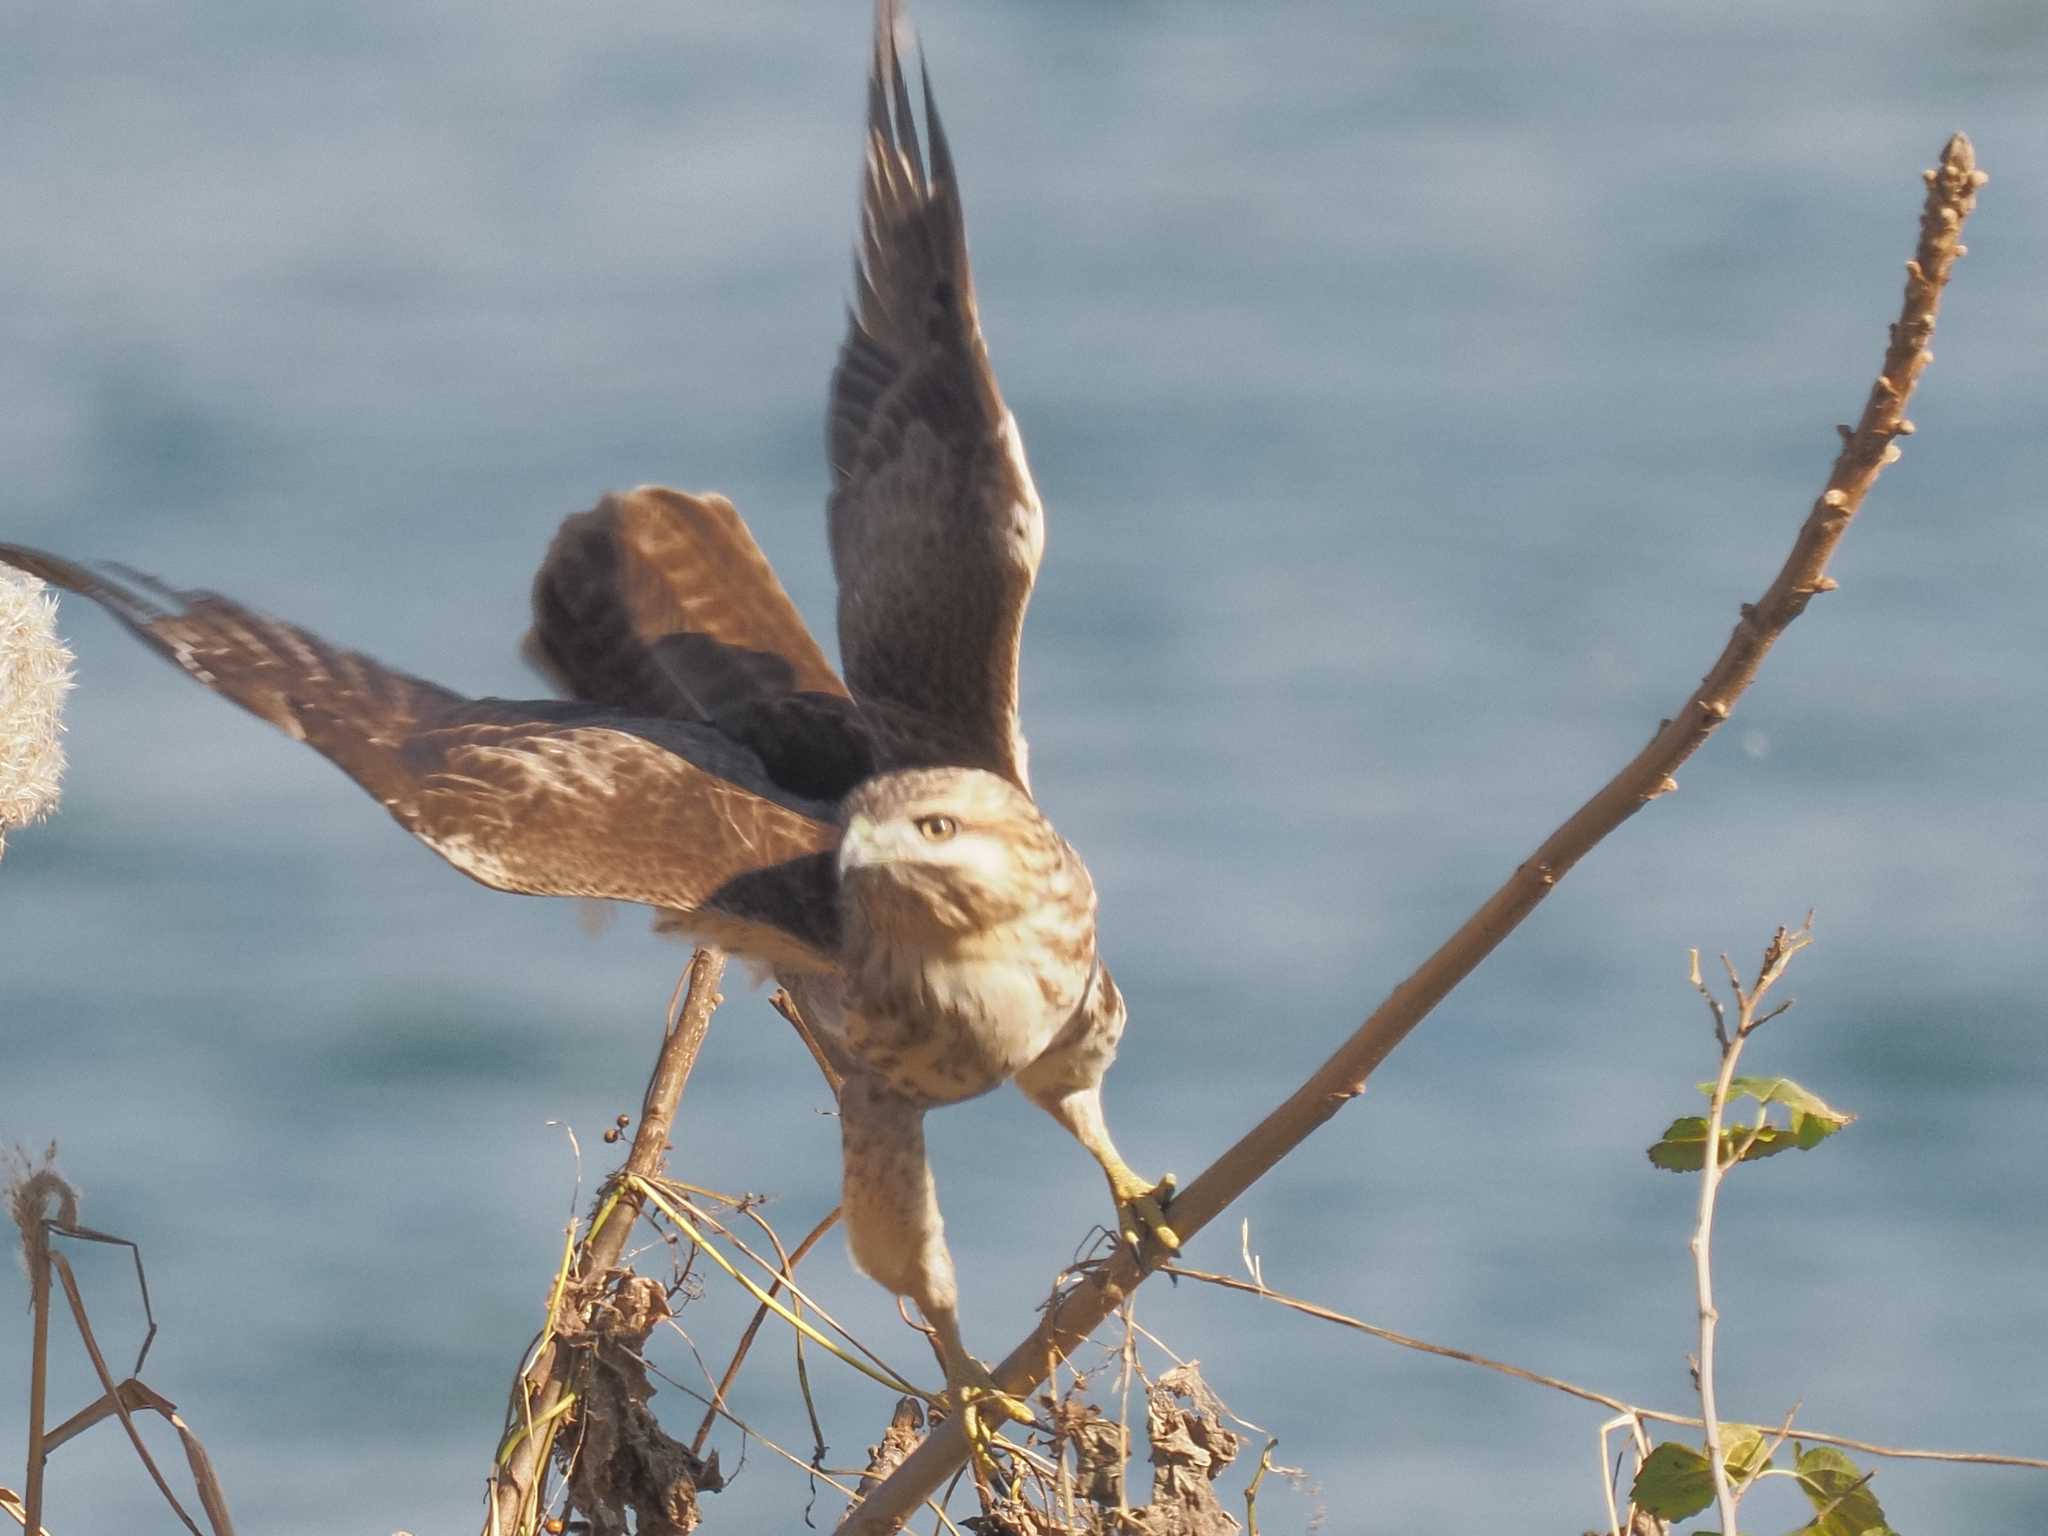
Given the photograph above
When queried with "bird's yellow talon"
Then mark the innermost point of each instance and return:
(1141, 1210)
(975, 1397)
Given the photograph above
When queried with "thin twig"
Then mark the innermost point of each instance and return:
(832, 1064)
(746, 1343)
(1951, 194)
(1610, 1471)
(803, 1376)
(1770, 1451)
(830, 1476)
(880, 1371)
(1711, 1170)
(1129, 1354)
(1785, 943)
(1586, 1394)
(687, 1213)
(1251, 1490)
(543, 1391)
(1820, 1515)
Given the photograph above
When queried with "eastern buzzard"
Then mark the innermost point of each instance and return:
(874, 841)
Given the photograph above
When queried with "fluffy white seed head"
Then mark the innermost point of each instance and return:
(35, 674)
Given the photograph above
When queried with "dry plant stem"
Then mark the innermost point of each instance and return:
(38, 1385)
(828, 1475)
(1866, 449)
(832, 1065)
(1610, 1470)
(1629, 1411)
(117, 1401)
(1713, 1168)
(538, 1396)
(739, 1354)
(135, 1396)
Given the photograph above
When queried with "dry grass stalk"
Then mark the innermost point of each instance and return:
(753, 1328)
(1866, 449)
(43, 1206)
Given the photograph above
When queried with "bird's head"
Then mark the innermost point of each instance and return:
(931, 855)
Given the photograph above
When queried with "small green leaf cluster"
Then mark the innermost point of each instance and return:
(1675, 1481)
(1809, 1120)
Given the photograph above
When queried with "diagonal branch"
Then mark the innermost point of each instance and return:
(1866, 449)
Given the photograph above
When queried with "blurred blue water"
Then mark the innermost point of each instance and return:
(1415, 391)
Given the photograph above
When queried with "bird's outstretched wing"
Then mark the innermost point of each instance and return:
(545, 798)
(660, 603)
(935, 525)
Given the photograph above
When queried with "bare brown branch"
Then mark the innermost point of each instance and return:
(1866, 449)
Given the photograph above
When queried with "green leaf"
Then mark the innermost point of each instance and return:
(1810, 1121)
(1776, 1090)
(1674, 1481)
(1742, 1448)
(1841, 1508)
(1811, 1118)
(1683, 1146)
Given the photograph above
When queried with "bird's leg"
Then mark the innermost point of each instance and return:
(1141, 1205)
(896, 1235)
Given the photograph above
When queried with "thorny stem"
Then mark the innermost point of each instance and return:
(543, 1390)
(1866, 449)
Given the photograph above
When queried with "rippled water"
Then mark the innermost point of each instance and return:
(1415, 392)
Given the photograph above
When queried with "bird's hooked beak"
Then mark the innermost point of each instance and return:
(864, 844)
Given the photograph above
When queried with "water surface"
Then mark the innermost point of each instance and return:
(1415, 392)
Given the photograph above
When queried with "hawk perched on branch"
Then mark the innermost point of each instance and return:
(873, 841)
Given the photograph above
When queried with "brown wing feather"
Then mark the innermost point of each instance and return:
(935, 525)
(660, 603)
(642, 570)
(544, 798)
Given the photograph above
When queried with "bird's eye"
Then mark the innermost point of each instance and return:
(936, 829)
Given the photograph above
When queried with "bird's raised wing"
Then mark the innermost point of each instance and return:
(660, 603)
(935, 525)
(545, 798)
(664, 597)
